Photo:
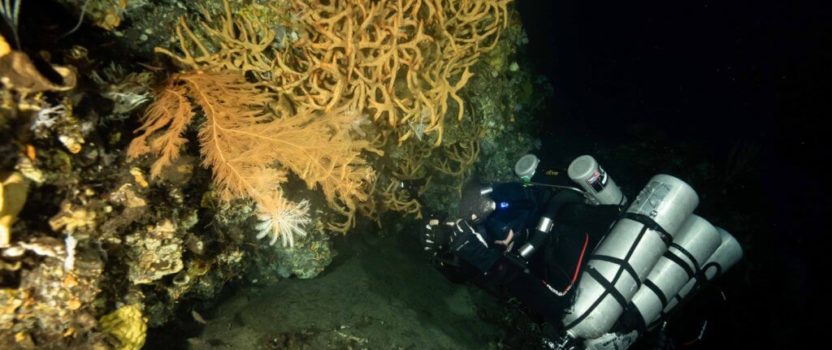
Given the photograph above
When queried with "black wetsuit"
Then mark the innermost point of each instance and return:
(577, 229)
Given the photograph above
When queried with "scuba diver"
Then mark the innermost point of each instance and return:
(598, 276)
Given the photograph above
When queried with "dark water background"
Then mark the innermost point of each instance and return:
(678, 87)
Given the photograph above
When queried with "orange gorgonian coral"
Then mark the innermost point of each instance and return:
(250, 149)
(400, 62)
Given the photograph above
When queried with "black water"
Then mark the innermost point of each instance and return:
(678, 87)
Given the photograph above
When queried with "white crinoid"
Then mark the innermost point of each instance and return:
(286, 223)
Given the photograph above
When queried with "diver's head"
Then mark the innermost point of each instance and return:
(476, 203)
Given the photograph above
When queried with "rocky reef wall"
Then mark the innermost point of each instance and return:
(148, 144)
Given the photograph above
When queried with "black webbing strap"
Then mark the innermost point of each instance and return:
(712, 264)
(678, 261)
(692, 273)
(609, 289)
(651, 224)
(688, 254)
(620, 262)
(701, 279)
(662, 298)
(609, 286)
(656, 290)
(631, 319)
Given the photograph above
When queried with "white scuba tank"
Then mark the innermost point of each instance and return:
(628, 253)
(726, 255)
(698, 238)
(692, 245)
(599, 186)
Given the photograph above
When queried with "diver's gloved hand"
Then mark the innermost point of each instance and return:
(437, 235)
(464, 231)
(470, 244)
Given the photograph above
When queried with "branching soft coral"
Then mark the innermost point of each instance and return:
(400, 200)
(250, 149)
(401, 62)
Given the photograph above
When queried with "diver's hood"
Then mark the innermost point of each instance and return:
(476, 202)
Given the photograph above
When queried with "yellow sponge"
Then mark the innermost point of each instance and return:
(13, 190)
(128, 325)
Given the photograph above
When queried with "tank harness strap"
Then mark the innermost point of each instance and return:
(621, 262)
(621, 203)
(631, 319)
(609, 286)
(691, 272)
(688, 254)
(681, 263)
(708, 266)
(701, 279)
(651, 224)
(656, 290)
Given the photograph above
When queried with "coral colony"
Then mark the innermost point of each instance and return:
(138, 176)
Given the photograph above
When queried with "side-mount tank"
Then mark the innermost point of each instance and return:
(622, 261)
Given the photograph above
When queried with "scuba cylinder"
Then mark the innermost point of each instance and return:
(599, 186)
(696, 238)
(628, 253)
(696, 241)
(526, 166)
(726, 255)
